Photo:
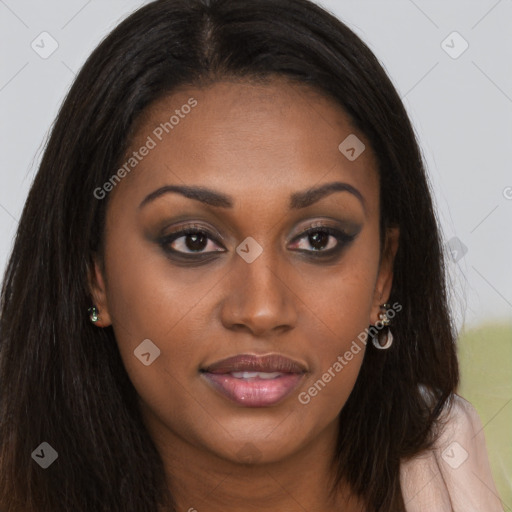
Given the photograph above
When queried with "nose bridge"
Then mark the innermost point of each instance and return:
(260, 278)
(258, 296)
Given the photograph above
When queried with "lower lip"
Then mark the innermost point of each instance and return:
(254, 392)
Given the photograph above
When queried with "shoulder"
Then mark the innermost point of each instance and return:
(460, 420)
(455, 475)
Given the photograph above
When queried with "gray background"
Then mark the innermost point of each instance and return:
(461, 109)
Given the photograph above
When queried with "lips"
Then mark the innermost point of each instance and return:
(251, 363)
(255, 381)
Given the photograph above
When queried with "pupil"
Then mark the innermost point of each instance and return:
(319, 239)
(196, 241)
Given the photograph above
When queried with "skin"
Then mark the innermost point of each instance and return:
(258, 144)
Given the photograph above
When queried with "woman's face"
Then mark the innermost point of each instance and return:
(248, 280)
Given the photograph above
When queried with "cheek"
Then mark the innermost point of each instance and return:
(148, 297)
(339, 347)
(339, 324)
(148, 300)
(341, 296)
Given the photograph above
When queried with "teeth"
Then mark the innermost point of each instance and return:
(251, 375)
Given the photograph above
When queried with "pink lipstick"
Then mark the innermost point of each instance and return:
(255, 381)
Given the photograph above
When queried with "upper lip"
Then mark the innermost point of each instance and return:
(254, 363)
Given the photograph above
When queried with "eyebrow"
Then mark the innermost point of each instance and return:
(217, 199)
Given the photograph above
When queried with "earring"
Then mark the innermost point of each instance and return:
(93, 314)
(384, 340)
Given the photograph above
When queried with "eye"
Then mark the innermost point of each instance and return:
(189, 241)
(322, 239)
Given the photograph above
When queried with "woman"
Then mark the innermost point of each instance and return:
(219, 296)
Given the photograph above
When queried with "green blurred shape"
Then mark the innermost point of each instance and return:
(485, 356)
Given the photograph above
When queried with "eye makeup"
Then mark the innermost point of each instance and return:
(194, 242)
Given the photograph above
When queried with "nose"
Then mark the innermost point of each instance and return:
(259, 300)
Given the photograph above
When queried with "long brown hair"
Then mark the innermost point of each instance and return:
(62, 380)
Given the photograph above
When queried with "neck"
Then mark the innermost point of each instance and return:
(201, 481)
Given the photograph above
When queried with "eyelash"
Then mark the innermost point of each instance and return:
(341, 237)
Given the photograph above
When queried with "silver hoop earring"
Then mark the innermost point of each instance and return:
(388, 341)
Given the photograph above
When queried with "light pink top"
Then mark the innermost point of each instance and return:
(455, 476)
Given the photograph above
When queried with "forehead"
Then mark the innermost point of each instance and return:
(246, 139)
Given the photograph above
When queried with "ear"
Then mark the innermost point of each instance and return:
(385, 276)
(98, 293)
